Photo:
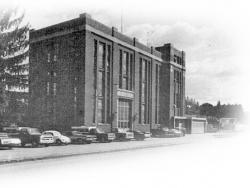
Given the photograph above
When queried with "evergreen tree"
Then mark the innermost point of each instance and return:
(13, 52)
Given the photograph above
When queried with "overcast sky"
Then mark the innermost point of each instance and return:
(212, 33)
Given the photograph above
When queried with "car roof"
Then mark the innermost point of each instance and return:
(83, 127)
(52, 131)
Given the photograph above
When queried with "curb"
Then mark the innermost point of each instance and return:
(5, 162)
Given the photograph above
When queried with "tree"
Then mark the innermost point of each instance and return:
(207, 109)
(13, 53)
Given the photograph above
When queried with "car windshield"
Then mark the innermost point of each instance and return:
(98, 130)
(34, 131)
(47, 133)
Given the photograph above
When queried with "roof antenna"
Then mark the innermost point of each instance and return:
(121, 21)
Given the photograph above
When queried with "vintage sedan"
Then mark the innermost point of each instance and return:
(57, 138)
(162, 132)
(80, 138)
(123, 134)
(27, 135)
(7, 142)
(101, 136)
(176, 132)
(139, 135)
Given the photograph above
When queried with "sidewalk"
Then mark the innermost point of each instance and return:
(51, 152)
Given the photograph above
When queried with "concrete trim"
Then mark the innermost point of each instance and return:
(118, 41)
(111, 38)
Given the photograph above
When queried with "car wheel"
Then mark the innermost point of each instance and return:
(34, 144)
(46, 145)
(102, 139)
(58, 142)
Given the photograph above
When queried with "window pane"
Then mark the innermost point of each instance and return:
(101, 55)
(100, 83)
(100, 110)
(124, 64)
(120, 70)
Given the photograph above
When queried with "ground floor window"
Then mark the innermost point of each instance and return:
(124, 113)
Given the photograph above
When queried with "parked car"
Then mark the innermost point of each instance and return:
(101, 136)
(54, 137)
(182, 129)
(27, 135)
(166, 132)
(80, 138)
(47, 139)
(139, 135)
(123, 134)
(176, 132)
(7, 142)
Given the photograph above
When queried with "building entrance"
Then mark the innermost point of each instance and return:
(124, 113)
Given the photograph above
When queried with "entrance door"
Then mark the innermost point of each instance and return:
(124, 114)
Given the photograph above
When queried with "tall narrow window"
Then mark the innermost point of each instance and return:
(48, 57)
(108, 69)
(54, 89)
(157, 72)
(56, 51)
(48, 88)
(101, 82)
(95, 80)
(145, 91)
(126, 70)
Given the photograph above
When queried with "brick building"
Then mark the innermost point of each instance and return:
(85, 73)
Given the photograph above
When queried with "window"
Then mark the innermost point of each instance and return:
(100, 110)
(54, 89)
(126, 70)
(103, 69)
(48, 57)
(145, 90)
(56, 51)
(109, 88)
(177, 92)
(48, 88)
(157, 72)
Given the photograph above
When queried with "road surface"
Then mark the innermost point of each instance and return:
(217, 161)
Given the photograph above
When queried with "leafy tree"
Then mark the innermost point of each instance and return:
(207, 109)
(13, 54)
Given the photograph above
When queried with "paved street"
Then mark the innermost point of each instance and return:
(211, 160)
(28, 153)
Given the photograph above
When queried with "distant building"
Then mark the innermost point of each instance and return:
(85, 73)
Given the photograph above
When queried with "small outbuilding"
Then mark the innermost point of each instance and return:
(193, 125)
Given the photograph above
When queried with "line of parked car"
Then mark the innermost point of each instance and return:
(22, 136)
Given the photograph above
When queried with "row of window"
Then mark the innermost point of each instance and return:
(178, 87)
(178, 60)
(103, 83)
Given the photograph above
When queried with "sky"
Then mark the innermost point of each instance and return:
(214, 35)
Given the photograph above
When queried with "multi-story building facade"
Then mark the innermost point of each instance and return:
(85, 73)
